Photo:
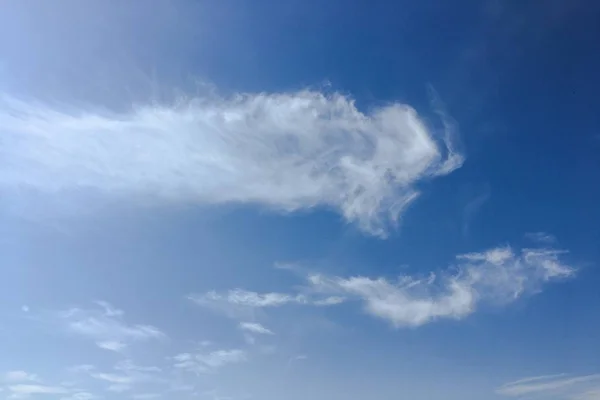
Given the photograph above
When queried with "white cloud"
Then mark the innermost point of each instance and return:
(127, 374)
(246, 298)
(496, 276)
(550, 385)
(113, 378)
(109, 310)
(145, 396)
(80, 396)
(255, 328)
(107, 327)
(287, 151)
(207, 362)
(30, 389)
(541, 237)
(118, 387)
(20, 376)
(112, 345)
(329, 301)
(237, 302)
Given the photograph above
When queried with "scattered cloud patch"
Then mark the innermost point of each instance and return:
(25, 390)
(111, 345)
(145, 396)
(20, 376)
(287, 151)
(125, 375)
(81, 396)
(199, 363)
(496, 276)
(107, 327)
(574, 387)
(254, 327)
(239, 303)
(541, 237)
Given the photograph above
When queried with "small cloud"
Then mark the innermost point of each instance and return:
(25, 308)
(81, 396)
(109, 310)
(300, 357)
(112, 378)
(239, 303)
(118, 387)
(29, 389)
(112, 345)
(20, 376)
(549, 386)
(255, 328)
(330, 301)
(541, 237)
(207, 362)
(82, 368)
(146, 396)
(107, 327)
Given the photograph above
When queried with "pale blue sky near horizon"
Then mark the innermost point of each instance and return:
(299, 200)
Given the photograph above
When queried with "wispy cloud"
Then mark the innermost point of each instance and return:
(574, 387)
(472, 208)
(496, 276)
(125, 375)
(112, 345)
(20, 376)
(287, 151)
(81, 396)
(255, 327)
(207, 362)
(541, 237)
(239, 303)
(24, 390)
(145, 396)
(247, 298)
(107, 327)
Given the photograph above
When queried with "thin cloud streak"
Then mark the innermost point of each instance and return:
(497, 276)
(107, 327)
(549, 385)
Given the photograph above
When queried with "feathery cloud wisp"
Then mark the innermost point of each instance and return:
(107, 327)
(20, 376)
(575, 387)
(255, 327)
(288, 151)
(207, 362)
(497, 276)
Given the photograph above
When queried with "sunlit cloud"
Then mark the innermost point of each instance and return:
(287, 151)
(497, 276)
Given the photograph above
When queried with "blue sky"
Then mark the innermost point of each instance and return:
(299, 200)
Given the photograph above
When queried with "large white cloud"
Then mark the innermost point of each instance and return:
(288, 151)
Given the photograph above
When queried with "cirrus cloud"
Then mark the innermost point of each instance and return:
(287, 151)
(496, 276)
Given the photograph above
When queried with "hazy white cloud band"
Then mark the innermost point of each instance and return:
(496, 276)
(288, 151)
(584, 387)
